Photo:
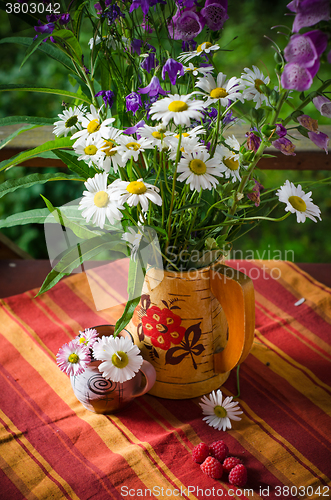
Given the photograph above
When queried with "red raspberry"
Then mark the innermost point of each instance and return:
(238, 475)
(212, 467)
(200, 453)
(219, 450)
(231, 462)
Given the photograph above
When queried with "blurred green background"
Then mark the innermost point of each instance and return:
(245, 42)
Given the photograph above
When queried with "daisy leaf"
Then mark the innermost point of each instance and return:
(30, 180)
(45, 90)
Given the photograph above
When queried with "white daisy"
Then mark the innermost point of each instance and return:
(99, 202)
(133, 237)
(219, 413)
(299, 202)
(180, 108)
(198, 169)
(252, 81)
(121, 358)
(204, 70)
(156, 135)
(112, 157)
(226, 91)
(89, 149)
(136, 192)
(92, 124)
(73, 358)
(229, 159)
(203, 48)
(69, 122)
(187, 143)
(129, 147)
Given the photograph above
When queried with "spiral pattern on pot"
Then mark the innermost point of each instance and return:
(99, 385)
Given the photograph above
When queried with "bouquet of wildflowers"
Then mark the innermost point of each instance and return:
(149, 129)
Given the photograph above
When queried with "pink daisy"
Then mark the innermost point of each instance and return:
(87, 337)
(73, 358)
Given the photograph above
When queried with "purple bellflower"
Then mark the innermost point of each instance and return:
(136, 45)
(45, 29)
(153, 89)
(215, 13)
(144, 4)
(186, 25)
(320, 139)
(309, 12)
(253, 141)
(149, 62)
(107, 96)
(133, 102)
(323, 104)
(280, 130)
(172, 67)
(255, 194)
(133, 130)
(63, 19)
(308, 123)
(285, 146)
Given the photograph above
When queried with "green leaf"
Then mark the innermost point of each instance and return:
(49, 48)
(63, 142)
(78, 166)
(29, 120)
(126, 316)
(33, 47)
(15, 134)
(51, 279)
(77, 229)
(45, 90)
(70, 40)
(30, 180)
(38, 216)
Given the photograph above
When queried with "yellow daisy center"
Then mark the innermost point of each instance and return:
(133, 145)
(220, 412)
(120, 359)
(218, 93)
(206, 46)
(198, 167)
(73, 358)
(177, 106)
(82, 340)
(90, 150)
(231, 163)
(136, 187)
(100, 199)
(93, 126)
(108, 150)
(185, 134)
(258, 82)
(157, 135)
(298, 203)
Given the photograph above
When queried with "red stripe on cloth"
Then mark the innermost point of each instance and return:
(309, 278)
(276, 293)
(9, 490)
(311, 437)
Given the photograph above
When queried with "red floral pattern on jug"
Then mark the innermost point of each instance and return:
(163, 326)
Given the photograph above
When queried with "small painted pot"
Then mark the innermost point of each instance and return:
(100, 395)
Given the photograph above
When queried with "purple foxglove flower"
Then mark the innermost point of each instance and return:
(321, 140)
(144, 4)
(255, 194)
(308, 123)
(64, 19)
(107, 96)
(133, 130)
(185, 25)
(253, 142)
(172, 67)
(298, 77)
(186, 3)
(133, 102)
(323, 104)
(149, 62)
(280, 130)
(215, 13)
(309, 12)
(136, 46)
(153, 89)
(285, 146)
(305, 49)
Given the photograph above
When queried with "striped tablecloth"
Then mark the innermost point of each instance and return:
(52, 448)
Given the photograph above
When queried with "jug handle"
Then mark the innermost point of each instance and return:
(235, 292)
(150, 375)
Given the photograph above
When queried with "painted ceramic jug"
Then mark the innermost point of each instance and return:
(100, 395)
(194, 327)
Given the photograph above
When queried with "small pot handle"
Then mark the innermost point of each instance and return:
(150, 375)
(235, 292)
